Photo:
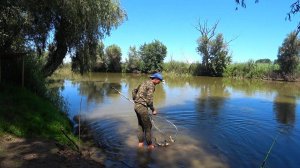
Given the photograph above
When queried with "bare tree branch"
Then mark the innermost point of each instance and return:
(205, 30)
(227, 42)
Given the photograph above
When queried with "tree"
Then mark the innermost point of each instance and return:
(153, 55)
(134, 60)
(288, 54)
(113, 54)
(76, 26)
(265, 60)
(100, 51)
(101, 62)
(213, 49)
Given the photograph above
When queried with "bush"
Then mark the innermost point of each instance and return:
(250, 70)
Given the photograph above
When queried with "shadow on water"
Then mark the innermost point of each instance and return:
(119, 144)
(116, 134)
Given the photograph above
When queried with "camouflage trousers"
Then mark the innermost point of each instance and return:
(144, 123)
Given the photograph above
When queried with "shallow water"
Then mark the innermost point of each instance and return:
(221, 122)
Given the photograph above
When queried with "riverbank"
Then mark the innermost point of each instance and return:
(18, 152)
(249, 70)
(31, 133)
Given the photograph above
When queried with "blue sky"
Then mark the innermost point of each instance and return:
(259, 29)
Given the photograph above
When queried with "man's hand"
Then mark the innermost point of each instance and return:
(154, 112)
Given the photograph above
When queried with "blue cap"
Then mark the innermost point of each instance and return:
(157, 76)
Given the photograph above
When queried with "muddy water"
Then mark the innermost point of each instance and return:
(221, 122)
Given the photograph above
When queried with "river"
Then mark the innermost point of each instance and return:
(221, 122)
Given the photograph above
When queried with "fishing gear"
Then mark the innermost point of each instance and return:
(165, 141)
(269, 151)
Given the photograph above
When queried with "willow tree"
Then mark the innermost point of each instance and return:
(59, 26)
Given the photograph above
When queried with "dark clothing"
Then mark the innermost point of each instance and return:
(144, 123)
(145, 94)
(144, 99)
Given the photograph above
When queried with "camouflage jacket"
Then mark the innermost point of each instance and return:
(145, 94)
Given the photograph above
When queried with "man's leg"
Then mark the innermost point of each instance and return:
(147, 125)
(140, 131)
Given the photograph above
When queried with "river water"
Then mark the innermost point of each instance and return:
(221, 122)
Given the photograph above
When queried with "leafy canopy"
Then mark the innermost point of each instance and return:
(153, 55)
(288, 54)
(59, 26)
(213, 49)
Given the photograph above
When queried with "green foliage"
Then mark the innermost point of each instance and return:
(134, 63)
(176, 67)
(113, 55)
(77, 27)
(101, 61)
(33, 77)
(179, 68)
(288, 54)
(100, 51)
(214, 51)
(108, 59)
(85, 58)
(24, 114)
(153, 55)
(266, 61)
(250, 70)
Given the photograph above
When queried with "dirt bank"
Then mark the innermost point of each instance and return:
(34, 153)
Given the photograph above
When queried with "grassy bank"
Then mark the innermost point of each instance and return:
(24, 114)
(179, 68)
(246, 70)
(251, 70)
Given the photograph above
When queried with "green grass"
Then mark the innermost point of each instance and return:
(180, 68)
(24, 114)
(250, 70)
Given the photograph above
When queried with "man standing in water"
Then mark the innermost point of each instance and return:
(144, 100)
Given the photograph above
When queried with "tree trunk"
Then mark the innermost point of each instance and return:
(56, 56)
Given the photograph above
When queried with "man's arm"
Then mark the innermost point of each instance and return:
(150, 92)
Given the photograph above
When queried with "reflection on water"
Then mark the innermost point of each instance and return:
(285, 104)
(221, 122)
(213, 93)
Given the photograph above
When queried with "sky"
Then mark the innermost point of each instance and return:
(257, 30)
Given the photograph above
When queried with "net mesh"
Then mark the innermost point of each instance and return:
(164, 132)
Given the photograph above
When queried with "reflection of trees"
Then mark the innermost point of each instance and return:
(97, 91)
(285, 108)
(56, 84)
(250, 87)
(212, 96)
(159, 95)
